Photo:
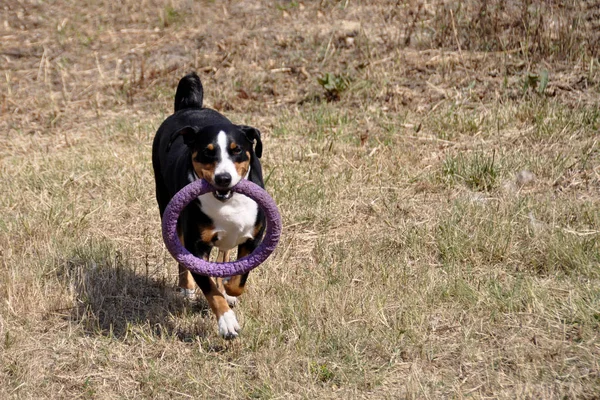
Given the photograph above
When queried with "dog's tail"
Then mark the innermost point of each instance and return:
(189, 92)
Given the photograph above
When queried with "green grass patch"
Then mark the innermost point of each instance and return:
(477, 170)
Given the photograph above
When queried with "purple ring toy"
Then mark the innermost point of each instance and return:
(225, 269)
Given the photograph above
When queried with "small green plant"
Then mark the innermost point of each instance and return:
(262, 391)
(287, 5)
(169, 16)
(536, 82)
(478, 172)
(334, 85)
(322, 372)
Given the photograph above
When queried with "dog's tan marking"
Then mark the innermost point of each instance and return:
(243, 167)
(233, 145)
(215, 299)
(186, 280)
(257, 229)
(233, 286)
(207, 234)
(211, 147)
(205, 171)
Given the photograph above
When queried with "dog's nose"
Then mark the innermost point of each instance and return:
(223, 180)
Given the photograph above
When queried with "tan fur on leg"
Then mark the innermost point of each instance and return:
(234, 285)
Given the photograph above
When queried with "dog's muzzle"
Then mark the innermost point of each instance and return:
(223, 180)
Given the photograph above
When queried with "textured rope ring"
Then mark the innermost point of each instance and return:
(225, 269)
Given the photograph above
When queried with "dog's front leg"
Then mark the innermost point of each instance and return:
(223, 256)
(226, 319)
(199, 246)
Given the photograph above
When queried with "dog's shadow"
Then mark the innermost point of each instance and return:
(114, 299)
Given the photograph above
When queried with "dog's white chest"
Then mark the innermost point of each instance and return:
(234, 219)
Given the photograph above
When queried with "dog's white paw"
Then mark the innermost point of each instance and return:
(231, 300)
(228, 325)
(188, 294)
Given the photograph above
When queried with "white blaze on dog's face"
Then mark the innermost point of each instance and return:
(229, 150)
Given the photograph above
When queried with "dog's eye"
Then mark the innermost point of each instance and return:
(236, 150)
(209, 152)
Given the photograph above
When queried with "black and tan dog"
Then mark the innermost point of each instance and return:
(195, 143)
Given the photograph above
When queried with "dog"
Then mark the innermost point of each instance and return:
(200, 143)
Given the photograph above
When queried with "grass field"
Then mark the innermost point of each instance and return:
(437, 166)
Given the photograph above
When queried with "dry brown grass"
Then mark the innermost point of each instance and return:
(441, 218)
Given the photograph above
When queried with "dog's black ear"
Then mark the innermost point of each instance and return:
(189, 134)
(253, 134)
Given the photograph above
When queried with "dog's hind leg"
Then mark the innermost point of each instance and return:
(234, 286)
(186, 284)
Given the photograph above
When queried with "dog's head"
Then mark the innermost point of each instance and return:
(223, 154)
